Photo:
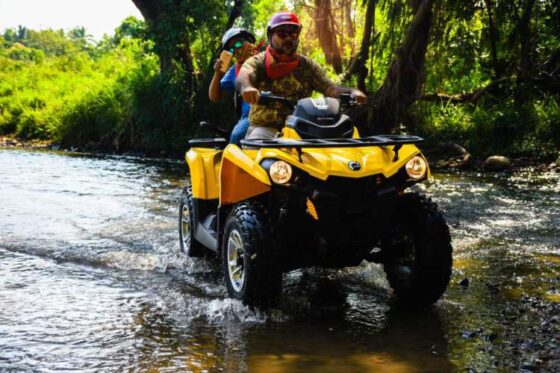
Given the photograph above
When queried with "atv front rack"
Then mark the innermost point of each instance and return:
(380, 140)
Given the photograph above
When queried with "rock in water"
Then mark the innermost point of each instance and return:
(497, 163)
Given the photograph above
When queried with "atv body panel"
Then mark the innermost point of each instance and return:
(241, 176)
(204, 165)
(322, 163)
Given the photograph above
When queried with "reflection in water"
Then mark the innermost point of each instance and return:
(326, 336)
(91, 278)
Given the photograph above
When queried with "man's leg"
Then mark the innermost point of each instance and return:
(261, 133)
(239, 131)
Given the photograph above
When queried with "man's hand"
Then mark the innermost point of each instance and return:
(218, 67)
(251, 95)
(359, 96)
(335, 91)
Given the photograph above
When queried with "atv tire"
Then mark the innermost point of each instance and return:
(189, 245)
(417, 251)
(249, 255)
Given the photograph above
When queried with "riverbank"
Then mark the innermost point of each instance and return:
(12, 142)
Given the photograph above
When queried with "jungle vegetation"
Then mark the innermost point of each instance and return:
(481, 73)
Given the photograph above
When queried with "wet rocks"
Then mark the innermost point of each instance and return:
(497, 163)
(5, 141)
(450, 155)
(21, 143)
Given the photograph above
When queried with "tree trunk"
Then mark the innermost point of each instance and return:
(235, 13)
(403, 82)
(161, 17)
(348, 18)
(524, 57)
(324, 27)
(369, 30)
(358, 64)
(493, 34)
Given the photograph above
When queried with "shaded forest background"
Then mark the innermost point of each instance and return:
(481, 73)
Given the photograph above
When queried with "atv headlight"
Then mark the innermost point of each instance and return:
(416, 168)
(280, 172)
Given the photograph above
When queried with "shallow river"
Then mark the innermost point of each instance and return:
(91, 279)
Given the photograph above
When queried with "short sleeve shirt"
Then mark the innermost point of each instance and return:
(228, 84)
(298, 84)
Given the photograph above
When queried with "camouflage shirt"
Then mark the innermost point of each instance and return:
(298, 84)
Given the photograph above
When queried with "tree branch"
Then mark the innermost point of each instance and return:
(471, 97)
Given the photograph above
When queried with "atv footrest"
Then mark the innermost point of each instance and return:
(215, 143)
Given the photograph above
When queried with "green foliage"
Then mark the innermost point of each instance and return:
(505, 127)
(130, 28)
(70, 97)
(102, 112)
(145, 87)
(468, 53)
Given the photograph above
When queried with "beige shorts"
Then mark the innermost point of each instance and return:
(261, 133)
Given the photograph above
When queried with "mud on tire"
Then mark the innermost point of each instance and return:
(418, 251)
(249, 257)
(189, 245)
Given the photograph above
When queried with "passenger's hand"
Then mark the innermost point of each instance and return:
(251, 95)
(359, 96)
(218, 66)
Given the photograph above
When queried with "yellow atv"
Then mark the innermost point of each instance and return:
(317, 195)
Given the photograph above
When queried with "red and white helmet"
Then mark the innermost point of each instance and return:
(282, 18)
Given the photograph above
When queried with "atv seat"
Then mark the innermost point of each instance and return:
(215, 143)
(320, 119)
(333, 128)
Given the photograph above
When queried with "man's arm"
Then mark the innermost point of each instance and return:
(336, 90)
(244, 86)
(214, 91)
(327, 87)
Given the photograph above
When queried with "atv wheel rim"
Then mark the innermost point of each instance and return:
(235, 258)
(186, 226)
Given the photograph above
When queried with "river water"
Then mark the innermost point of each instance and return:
(91, 279)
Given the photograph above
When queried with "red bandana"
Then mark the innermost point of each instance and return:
(279, 65)
(238, 69)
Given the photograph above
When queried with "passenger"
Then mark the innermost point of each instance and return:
(239, 42)
(283, 72)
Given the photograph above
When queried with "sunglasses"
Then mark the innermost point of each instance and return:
(238, 44)
(283, 34)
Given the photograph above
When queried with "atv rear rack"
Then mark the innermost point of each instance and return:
(380, 140)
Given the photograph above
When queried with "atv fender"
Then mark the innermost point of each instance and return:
(241, 177)
(204, 166)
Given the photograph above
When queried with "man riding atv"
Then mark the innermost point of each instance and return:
(316, 195)
(281, 71)
(236, 41)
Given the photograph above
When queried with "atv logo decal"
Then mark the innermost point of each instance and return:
(354, 165)
(320, 103)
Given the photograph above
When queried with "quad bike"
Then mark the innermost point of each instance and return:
(316, 195)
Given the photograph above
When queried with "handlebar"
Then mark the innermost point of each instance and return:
(266, 98)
